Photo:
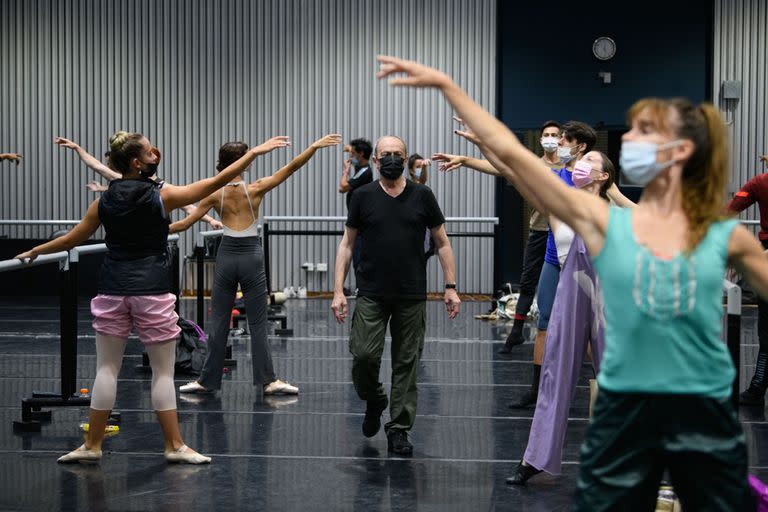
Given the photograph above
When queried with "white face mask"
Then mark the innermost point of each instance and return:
(549, 144)
(564, 152)
(638, 160)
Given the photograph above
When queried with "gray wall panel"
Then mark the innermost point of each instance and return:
(740, 42)
(193, 74)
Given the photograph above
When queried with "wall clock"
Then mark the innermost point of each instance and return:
(604, 48)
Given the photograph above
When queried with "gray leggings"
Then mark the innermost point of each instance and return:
(239, 260)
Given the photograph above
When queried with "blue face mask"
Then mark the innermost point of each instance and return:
(638, 161)
(355, 162)
(564, 152)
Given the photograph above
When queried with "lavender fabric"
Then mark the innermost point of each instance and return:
(576, 320)
(760, 491)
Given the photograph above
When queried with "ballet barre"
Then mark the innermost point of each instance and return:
(68, 261)
(268, 232)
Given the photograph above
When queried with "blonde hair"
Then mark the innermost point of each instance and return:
(123, 146)
(706, 172)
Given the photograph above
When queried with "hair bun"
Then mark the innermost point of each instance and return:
(117, 139)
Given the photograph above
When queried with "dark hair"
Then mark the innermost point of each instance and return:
(582, 133)
(362, 146)
(412, 160)
(124, 147)
(609, 169)
(230, 153)
(549, 123)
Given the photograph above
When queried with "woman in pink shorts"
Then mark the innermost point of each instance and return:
(134, 282)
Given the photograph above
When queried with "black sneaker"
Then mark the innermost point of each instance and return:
(527, 401)
(752, 396)
(397, 442)
(372, 421)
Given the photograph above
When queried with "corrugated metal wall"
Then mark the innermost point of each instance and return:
(740, 41)
(193, 74)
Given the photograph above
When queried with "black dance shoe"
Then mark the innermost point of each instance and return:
(527, 401)
(522, 474)
(752, 396)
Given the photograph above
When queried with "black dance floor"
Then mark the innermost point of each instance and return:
(298, 453)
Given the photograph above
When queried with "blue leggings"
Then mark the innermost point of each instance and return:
(545, 294)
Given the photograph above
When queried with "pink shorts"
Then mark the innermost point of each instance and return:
(153, 316)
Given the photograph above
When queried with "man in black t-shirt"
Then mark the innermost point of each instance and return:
(390, 216)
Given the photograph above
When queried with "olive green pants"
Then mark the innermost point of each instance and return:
(634, 437)
(407, 323)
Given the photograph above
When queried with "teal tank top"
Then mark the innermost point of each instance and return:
(663, 317)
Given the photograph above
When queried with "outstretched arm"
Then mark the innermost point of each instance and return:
(78, 235)
(88, 159)
(191, 209)
(586, 214)
(178, 196)
(195, 214)
(451, 162)
(264, 185)
(95, 186)
(13, 157)
(529, 192)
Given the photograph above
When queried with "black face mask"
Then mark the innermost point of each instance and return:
(391, 166)
(150, 171)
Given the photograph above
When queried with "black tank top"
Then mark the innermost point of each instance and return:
(136, 226)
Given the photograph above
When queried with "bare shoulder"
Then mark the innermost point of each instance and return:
(258, 187)
(741, 241)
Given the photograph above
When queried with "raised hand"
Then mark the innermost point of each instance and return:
(466, 132)
(66, 143)
(280, 141)
(95, 186)
(15, 157)
(417, 75)
(448, 162)
(333, 139)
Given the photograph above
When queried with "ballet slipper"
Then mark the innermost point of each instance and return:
(279, 387)
(81, 454)
(185, 455)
